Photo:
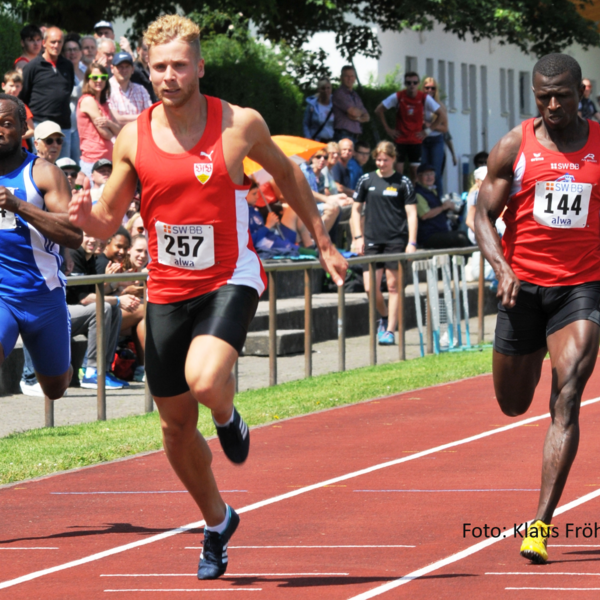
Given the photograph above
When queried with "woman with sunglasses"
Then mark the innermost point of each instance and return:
(436, 125)
(96, 124)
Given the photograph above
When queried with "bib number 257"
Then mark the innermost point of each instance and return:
(189, 247)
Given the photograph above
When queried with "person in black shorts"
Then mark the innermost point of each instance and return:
(390, 226)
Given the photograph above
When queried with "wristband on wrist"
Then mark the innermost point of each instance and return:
(413, 244)
(118, 301)
(358, 237)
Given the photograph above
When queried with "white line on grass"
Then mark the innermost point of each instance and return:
(275, 499)
(462, 554)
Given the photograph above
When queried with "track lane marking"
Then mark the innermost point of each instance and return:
(226, 574)
(192, 590)
(544, 573)
(309, 488)
(462, 554)
(312, 547)
(555, 589)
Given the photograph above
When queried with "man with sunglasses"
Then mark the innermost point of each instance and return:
(48, 82)
(410, 104)
(48, 140)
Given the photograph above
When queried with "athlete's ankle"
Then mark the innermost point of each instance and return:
(223, 418)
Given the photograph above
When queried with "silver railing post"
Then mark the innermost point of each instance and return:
(272, 328)
(48, 412)
(148, 400)
(481, 297)
(341, 328)
(307, 323)
(401, 329)
(101, 352)
(372, 314)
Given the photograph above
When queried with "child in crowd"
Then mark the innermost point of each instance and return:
(12, 85)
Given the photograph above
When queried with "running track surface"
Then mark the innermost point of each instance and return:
(389, 531)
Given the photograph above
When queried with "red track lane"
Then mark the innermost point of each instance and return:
(301, 452)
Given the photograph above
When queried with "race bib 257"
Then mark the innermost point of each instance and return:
(189, 247)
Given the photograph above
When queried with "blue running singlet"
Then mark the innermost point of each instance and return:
(29, 261)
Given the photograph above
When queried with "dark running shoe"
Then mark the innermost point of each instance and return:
(235, 439)
(213, 559)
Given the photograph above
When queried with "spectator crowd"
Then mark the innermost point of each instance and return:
(79, 91)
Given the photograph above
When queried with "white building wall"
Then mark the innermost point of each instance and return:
(485, 101)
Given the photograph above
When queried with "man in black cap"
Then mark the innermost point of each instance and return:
(104, 29)
(127, 99)
(100, 173)
(434, 230)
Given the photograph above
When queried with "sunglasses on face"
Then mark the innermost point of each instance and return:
(70, 173)
(430, 87)
(57, 140)
(411, 83)
(140, 230)
(102, 77)
(323, 156)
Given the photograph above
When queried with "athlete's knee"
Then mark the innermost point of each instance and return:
(207, 388)
(513, 405)
(56, 387)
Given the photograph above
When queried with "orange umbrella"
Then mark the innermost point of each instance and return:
(297, 148)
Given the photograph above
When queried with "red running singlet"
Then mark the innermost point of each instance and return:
(195, 216)
(552, 218)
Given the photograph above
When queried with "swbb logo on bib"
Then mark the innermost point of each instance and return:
(562, 204)
(189, 247)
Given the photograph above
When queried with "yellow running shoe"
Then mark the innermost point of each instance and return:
(534, 546)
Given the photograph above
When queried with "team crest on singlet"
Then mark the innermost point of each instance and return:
(203, 171)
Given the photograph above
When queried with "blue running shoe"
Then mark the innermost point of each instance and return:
(382, 325)
(386, 338)
(91, 383)
(115, 379)
(235, 439)
(213, 559)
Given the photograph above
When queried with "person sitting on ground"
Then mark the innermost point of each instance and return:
(360, 157)
(434, 230)
(12, 85)
(340, 171)
(95, 123)
(333, 155)
(112, 261)
(390, 227)
(31, 42)
(274, 236)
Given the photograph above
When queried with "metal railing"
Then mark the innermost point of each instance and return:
(272, 269)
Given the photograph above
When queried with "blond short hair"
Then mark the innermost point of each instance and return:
(173, 27)
(384, 148)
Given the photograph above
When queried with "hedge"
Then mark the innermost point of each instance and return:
(10, 46)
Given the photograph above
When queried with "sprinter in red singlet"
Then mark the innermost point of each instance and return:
(204, 276)
(546, 173)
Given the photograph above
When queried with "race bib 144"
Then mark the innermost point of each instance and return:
(562, 204)
(189, 247)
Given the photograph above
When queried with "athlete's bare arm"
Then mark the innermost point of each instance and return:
(491, 201)
(53, 223)
(293, 184)
(105, 217)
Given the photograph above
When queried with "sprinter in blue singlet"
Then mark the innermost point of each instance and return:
(34, 198)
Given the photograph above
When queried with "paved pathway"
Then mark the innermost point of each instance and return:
(20, 413)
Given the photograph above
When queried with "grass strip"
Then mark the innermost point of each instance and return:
(42, 451)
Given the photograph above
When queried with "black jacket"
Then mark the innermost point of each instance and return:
(47, 90)
(140, 76)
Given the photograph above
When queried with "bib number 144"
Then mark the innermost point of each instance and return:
(562, 205)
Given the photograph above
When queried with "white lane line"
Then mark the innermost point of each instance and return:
(444, 491)
(226, 575)
(555, 589)
(275, 499)
(574, 545)
(33, 548)
(546, 573)
(463, 554)
(313, 547)
(151, 492)
(193, 590)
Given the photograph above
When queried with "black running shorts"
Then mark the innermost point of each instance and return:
(392, 248)
(170, 328)
(541, 311)
(408, 152)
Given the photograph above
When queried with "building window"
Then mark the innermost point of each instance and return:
(441, 79)
(451, 88)
(511, 98)
(411, 64)
(464, 83)
(503, 93)
(524, 93)
(429, 67)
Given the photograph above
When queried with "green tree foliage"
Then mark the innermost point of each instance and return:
(10, 47)
(536, 26)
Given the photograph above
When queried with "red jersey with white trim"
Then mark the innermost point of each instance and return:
(195, 216)
(552, 218)
(409, 117)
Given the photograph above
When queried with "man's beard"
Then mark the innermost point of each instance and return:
(185, 95)
(9, 150)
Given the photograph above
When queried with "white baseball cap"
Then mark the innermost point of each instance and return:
(46, 129)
